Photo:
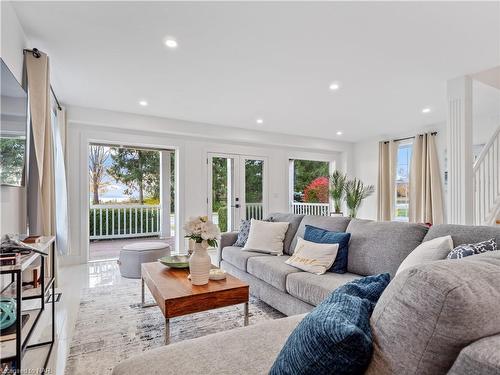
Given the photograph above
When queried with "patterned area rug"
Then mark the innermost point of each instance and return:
(112, 327)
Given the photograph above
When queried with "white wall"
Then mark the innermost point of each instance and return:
(366, 164)
(366, 169)
(12, 199)
(192, 141)
(486, 112)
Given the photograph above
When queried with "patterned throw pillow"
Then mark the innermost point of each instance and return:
(243, 233)
(466, 250)
(335, 337)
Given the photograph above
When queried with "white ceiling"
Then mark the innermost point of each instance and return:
(240, 61)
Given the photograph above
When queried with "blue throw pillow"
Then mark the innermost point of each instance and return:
(335, 337)
(319, 235)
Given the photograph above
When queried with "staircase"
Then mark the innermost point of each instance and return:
(486, 174)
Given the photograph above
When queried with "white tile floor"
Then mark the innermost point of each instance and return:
(71, 280)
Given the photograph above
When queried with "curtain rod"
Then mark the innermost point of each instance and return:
(406, 138)
(36, 54)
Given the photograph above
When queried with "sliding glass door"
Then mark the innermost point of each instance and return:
(236, 189)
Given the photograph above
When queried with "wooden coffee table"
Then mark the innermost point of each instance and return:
(176, 296)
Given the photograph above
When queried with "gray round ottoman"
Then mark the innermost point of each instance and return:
(133, 255)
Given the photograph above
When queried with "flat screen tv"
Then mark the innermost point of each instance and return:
(13, 129)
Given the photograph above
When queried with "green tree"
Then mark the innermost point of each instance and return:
(139, 170)
(97, 159)
(306, 171)
(12, 160)
(253, 180)
(172, 182)
(219, 183)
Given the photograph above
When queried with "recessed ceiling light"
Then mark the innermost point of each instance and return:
(334, 86)
(426, 110)
(339, 133)
(171, 43)
(143, 103)
(259, 121)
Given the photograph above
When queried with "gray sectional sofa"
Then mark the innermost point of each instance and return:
(435, 318)
(375, 247)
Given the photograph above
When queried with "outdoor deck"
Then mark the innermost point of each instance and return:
(110, 249)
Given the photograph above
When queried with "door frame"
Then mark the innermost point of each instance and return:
(238, 185)
(179, 245)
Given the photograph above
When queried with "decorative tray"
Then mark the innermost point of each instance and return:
(175, 261)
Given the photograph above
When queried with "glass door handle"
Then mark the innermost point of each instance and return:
(236, 206)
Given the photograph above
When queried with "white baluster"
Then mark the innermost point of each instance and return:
(93, 213)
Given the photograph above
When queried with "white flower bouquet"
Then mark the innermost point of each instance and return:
(201, 230)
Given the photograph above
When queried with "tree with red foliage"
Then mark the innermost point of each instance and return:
(317, 191)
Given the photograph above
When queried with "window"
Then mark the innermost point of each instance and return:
(309, 185)
(402, 181)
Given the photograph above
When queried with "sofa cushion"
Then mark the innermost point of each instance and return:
(378, 247)
(294, 221)
(335, 337)
(273, 270)
(429, 313)
(319, 235)
(247, 350)
(312, 288)
(482, 357)
(429, 251)
(332, 224)
(462, 234)
(238, 258)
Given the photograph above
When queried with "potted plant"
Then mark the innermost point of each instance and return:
(355, 193)
(203, 233)
(337, 190)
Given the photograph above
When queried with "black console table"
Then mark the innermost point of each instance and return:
(32, 301)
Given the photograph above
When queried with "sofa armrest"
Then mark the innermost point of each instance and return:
(480, 357)
(226, 239)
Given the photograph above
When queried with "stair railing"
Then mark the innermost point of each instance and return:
(486, 174)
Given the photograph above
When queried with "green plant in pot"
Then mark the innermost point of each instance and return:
(355, 193)
(338, 182)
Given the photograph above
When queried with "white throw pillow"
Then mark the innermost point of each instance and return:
(428, 251)
(266, 237)
(313, 257)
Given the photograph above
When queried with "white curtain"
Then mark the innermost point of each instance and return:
(62, 223)
(41, 202)
(386, 187)
(426, 197)
(47, 192)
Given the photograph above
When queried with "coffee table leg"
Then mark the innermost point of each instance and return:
(167, 331)
(142, 291)
(245, 312)
(143, 298)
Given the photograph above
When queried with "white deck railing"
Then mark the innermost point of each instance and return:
(318, 209)
(254, 210)
(123, 221)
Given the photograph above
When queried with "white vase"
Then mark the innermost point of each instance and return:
(200, 264)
